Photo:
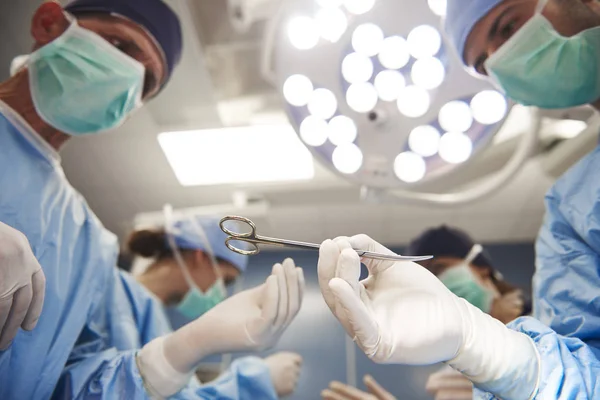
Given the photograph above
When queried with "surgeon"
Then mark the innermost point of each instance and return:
(93, 64)
(544, 53)
(190, 268)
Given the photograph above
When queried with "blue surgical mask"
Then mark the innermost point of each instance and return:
(195, 303)
(81, 84)
(537, 66)
(461, 281)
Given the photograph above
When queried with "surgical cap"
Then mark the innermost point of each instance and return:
(154, 15)
(187, 236)
(446, 242)
(461, 17)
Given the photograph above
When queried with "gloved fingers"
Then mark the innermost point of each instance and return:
(331, 395)
(453, 394)
(5, 306)
(355, 316)
(326, 266)
(376, 389)
(291, 278)
(301, 285)
(347, 391)
(270, 299)
(38, 283)
(364, 242)
(348, 266)
(282, 306)
(20, 305)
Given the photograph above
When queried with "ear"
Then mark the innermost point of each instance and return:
(48, 23)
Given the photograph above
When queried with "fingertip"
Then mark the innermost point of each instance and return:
(277, 268)
(368, 379)
(349, 254)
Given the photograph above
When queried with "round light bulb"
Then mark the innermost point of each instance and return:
(297, 90)
(488, 107)
(303, 33)
(332, 23)
(357, 68)
(413, 101)
(347, 158)
(428, 73)
(329, 3)
(409, 167)
(438, 7)
(367, 39)
(394, 52)
(359, 7)
(361, 97)
(455, 116)
(455, 147)
(322, 103)
(342, 130)
(314, 131)
(424, 41)
(389, 84)
(424, 140)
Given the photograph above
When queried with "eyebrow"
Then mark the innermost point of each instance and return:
(494, 29)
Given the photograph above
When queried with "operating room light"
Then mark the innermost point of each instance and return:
(428, 73)
(359, 7)
(409, 167)
(424, 140)
(488, 107)
(329, 3)
(367, 39)
(394, 52)
(357, 68)
(413, 101)
(297, 90)
(322, 103)
(438, 7)
(314, 131)
(342, 130)
(347, 158)
(455, 116)
(361, 97)
(303, 33)
(424, 41)
(455, 147)
(332, 23)
(389, 84)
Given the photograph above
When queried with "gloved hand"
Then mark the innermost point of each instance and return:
(22, 285)
(285, 371)
(403, 314)
(508, 307)
(448, 384)
(341, 391)
(251, 320)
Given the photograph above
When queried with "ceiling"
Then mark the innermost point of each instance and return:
(125, 173)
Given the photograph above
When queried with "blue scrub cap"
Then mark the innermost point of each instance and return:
(461, 17)
(447, 242)
(154, 15)
(186, 236)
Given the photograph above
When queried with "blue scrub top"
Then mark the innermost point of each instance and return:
(94, 319)
(566, 287)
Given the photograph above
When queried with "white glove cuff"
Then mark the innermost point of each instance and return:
(160, 378)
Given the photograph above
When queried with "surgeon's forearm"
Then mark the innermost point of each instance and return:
(497, 359)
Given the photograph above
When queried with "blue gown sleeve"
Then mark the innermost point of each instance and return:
(103, 362)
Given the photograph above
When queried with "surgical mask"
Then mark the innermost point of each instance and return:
(461, 281)
(537, 66)
(81, 84)
(196, 302)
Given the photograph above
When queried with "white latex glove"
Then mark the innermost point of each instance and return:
(449, 384)
(285, 371)
(341, 391)
(22, 285)
(403, 314)
(251, 320)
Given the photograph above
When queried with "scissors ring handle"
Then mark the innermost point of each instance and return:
(233, 234)
(231, 247)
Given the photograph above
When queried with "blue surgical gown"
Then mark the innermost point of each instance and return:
(94, 320)
(566, 287)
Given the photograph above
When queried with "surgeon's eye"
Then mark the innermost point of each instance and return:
(508, 29)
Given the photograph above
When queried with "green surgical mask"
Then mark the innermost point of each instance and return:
(195, 303)
(538, 66)
(461, 281)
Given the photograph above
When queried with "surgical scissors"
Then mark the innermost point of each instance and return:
(253, 239)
